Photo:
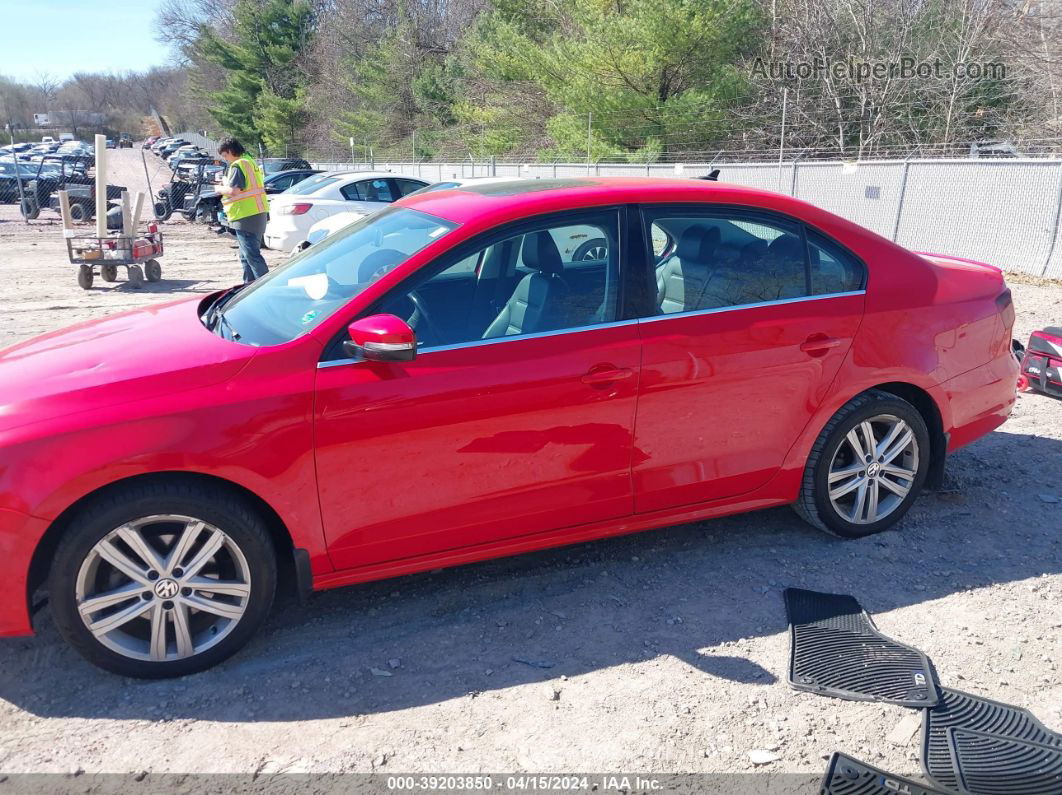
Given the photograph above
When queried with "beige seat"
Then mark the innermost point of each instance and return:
(681, 280)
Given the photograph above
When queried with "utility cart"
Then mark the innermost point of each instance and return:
(137, 253)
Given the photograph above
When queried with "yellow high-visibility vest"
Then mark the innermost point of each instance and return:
(252, 199)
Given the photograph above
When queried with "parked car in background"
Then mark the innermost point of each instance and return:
(66, 136)
(187, 155)
(293, 212)
(438, 384)
(275, 183)
(334, 223)
(169, 148)
(149, 141)
(274, 165)
(47, 139)
(280, 181)
(110, 143)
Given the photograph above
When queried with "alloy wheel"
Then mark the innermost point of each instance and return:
(873, 469)
(162, 588)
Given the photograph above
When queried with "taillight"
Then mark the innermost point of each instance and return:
(1004, 300)
(1005, 304)
(294, 209)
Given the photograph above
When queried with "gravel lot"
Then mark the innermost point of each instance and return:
(660, 652)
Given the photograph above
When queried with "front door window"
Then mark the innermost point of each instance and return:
(549, 277)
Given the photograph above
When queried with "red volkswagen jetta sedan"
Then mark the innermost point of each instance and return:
(473, 373)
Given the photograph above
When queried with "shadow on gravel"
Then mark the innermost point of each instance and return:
(682, 591)
(163, 286)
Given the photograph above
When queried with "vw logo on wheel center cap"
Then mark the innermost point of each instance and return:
(167, 589)
(872, 471)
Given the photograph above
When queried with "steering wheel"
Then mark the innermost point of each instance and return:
(420, 315)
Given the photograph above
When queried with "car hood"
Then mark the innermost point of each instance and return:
(119, 359)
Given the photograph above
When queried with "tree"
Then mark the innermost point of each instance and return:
(261, 101)
(653, 75)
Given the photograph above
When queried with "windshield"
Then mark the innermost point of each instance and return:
(291, 300)
(310, 185)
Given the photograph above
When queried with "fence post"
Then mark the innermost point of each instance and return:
(1054, 229)
(793, 181)
(493, 166)
(899, 203)
(554, 169)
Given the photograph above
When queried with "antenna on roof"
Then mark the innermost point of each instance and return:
(712, 175)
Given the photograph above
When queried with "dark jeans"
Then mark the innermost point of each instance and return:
(254, 265)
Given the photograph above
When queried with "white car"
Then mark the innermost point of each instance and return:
(576, 243)
(322, 229)
(293, 212)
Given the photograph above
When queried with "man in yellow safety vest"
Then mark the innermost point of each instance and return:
(244, 198)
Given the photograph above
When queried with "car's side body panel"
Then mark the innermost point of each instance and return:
(248, 416)
(725, 393)
(475, 443)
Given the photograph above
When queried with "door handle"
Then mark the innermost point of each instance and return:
(818, 344)
(608, 375)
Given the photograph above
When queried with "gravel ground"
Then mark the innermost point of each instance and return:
(660, 652)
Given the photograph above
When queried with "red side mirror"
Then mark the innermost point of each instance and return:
(381, 338)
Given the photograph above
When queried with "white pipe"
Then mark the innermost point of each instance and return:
(127, 215)
(138, 207)
(101, 186)
(64, 209)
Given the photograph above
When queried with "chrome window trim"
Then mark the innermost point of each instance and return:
(494, 340)
(613, 324)
(738, 307)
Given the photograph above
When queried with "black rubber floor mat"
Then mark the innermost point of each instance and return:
(987, 748)
(848, 776)
(835, 650)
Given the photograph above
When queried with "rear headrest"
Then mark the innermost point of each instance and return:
(786, 247)
(540, 253)
(725, 254)
(697, 243)
(751, 252)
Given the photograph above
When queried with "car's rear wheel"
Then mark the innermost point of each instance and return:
(867, 467)
(162, 580)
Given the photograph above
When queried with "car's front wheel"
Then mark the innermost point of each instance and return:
(162, 580)
(866, 468)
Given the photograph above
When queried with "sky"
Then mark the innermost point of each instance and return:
(61, 37)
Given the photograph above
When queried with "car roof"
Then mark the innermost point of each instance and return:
(345, 174)
(486, 205)
(504, 197)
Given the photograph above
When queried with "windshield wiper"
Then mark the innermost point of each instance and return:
(222, 324)
(210, 319)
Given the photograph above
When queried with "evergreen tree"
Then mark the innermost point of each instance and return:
(262, 101)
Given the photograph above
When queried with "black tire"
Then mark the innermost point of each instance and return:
(30, 209)
(814, 504)
(84, 277)
(216, 506)
(591, 247)
(153, 270)
(163, 211)
(109, 273)
(78, 213)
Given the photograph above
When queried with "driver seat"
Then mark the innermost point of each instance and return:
(537, 303)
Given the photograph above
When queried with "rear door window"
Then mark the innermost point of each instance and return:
(719, 260)
(407, 186)
(369, 190)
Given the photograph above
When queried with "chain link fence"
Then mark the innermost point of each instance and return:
(1003, 211)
